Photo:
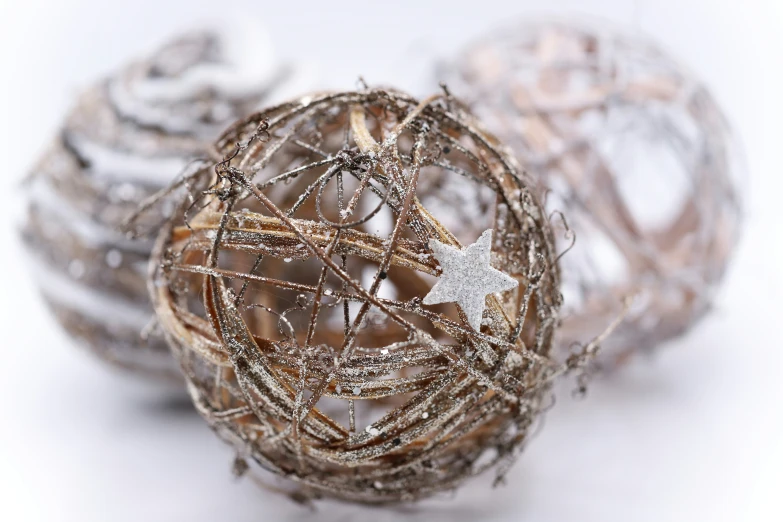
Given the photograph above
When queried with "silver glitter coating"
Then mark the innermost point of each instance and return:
(290, 284)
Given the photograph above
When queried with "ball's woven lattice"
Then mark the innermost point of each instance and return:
(636, 152)
(291, 292)
(127, 137)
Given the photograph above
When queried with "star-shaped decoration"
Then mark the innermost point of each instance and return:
(467, 277)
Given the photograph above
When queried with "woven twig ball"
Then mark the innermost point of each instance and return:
(292, 288)
(636, 152)
(127, 137)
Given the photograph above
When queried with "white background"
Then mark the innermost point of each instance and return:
(695, 434)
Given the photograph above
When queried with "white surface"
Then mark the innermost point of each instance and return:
(696, 434)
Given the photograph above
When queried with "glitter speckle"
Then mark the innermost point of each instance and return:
(126, 192)
(77, 269)
(114, 258)
(357, 390)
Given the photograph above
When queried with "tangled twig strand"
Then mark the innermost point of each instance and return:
(639, 154)
(290, 286)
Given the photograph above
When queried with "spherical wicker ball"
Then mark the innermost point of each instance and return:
(638, 155)
(291, 288)
(127, 137)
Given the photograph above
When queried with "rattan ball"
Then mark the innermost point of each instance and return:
(127, 137)
(292, 284)
(637, 153)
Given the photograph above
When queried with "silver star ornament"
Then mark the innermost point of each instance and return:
(467, 277)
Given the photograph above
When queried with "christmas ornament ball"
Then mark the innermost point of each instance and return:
(637, 154)
(329, 324)
(127, 137)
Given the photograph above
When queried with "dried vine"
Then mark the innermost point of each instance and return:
(290, 287)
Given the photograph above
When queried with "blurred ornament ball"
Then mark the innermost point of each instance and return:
(295, 297)
(127, 137)
(635, 153)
